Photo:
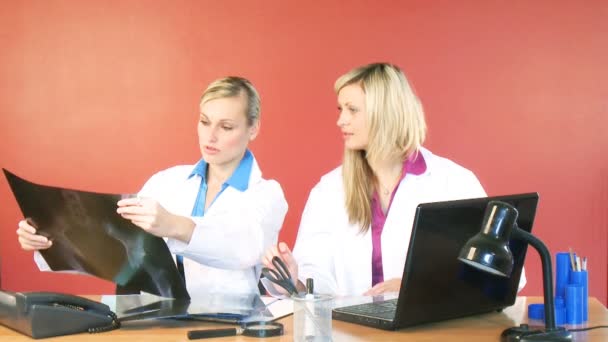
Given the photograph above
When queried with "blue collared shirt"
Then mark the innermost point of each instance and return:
(238, 180)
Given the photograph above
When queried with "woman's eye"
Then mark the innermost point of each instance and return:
(227, 128)
(204, 122)
(353, 109)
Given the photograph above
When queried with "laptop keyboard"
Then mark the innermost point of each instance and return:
(385, 309)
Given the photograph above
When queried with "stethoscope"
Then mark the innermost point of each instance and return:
(251, 329)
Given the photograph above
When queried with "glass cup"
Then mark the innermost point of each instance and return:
(312, 317)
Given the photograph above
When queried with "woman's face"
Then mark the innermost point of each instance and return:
(353, 117)
(223, 133)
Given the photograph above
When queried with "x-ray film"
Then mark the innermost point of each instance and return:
(90, 237)
(222, 307)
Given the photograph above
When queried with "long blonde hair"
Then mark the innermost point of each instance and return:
(396, 130)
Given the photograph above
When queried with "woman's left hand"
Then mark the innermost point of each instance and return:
(150, 216)
(392, 285)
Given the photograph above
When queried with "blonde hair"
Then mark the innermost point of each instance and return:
(233, 86)
(396, 127)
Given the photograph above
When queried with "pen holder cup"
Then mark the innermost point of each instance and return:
(580, 278)
(312, 317)
(562, 273)
(574, 305)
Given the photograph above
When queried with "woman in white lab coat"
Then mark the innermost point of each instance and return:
(218, 216)
(356, 225)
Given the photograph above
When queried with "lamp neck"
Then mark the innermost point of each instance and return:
(545, 259)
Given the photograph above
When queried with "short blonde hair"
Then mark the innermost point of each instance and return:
(397, 129)
(233, 86)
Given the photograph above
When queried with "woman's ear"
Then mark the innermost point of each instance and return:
(254, 130)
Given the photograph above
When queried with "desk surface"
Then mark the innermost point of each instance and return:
(486, 327)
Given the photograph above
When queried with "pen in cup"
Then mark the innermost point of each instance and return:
(584, 263)
(572, 262)
(310, 286)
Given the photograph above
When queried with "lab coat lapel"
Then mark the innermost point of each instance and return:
(353, 255)
(398, 225)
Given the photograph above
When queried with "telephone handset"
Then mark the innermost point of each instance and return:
(46, 314)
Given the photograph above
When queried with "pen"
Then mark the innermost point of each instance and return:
(251, 329)
(208, 333)
(572, 265)
(584, 263)
(310, 287)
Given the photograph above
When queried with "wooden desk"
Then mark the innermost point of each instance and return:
(484, 328)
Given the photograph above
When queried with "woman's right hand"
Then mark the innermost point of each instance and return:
(284, 253)
(29, 240)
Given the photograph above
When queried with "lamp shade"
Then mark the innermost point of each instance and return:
(489, 249)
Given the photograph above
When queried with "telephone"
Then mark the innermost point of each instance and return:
(46, 314)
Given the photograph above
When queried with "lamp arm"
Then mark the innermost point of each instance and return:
(545, 259)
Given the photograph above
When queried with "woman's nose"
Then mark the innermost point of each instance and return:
(213, 134)
(208, 134)
(341, 121)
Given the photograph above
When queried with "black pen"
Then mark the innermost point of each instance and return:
(310, 288)
(252, 329)
(208, 333)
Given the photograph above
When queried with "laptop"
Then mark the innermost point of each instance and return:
(437, 286)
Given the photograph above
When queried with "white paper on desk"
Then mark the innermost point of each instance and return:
(275, 309)
(279, 307)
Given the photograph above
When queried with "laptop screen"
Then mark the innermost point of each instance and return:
(436, 285)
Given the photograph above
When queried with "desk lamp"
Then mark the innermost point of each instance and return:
(489, 251)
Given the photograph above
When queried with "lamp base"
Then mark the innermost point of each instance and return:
(524, 333)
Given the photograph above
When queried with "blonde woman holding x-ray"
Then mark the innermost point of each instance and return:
(356, 225)
(219, 215)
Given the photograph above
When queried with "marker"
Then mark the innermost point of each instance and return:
(310, 287)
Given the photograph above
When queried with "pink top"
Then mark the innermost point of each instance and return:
(415, 165)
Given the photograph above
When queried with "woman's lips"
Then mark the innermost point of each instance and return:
(211, 150)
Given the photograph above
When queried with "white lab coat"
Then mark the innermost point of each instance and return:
(224, 254)
(333, 252)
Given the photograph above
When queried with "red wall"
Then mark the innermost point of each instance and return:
(99, 95)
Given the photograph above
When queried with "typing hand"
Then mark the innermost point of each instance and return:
(29, 240)
(392, 285)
